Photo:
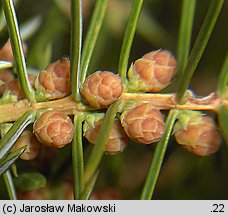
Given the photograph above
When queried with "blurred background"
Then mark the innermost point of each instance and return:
(45, 27)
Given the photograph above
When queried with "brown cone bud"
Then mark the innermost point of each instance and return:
(6, 53)
(6, 76)
(29, 140)
(199, 137)
(54, 128)
(15, 88)
(101, 89)
(153, 72)
(117, 141)
(143, 124)
(55, 80)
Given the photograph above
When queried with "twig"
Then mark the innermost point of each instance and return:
(11, 112)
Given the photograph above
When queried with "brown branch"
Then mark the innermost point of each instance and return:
(11, 112)
(168, 101)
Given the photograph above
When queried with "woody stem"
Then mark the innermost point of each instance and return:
(11, 112)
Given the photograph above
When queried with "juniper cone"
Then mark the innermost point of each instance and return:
(153, 72)
(198, 134)
(117, 141)
(101, 89)
(6, 76)
(54, 81)
(15, 88)
(6, 53)
(29, 140)
(54, 128)
(143, 124)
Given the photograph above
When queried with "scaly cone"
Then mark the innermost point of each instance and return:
(29, 140)
(5, 76)
(6, 52)
(197, 133)
(54, 128)
(143, 124)
(153, 72)
(54, 81)
(101, 89)
(117, 141)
